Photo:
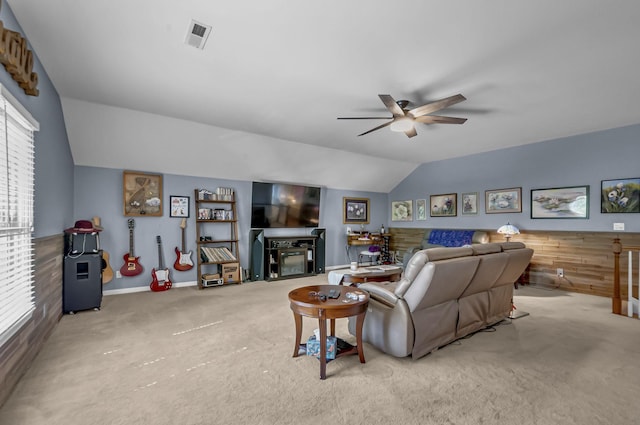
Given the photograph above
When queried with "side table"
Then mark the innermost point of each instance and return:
(306, 301)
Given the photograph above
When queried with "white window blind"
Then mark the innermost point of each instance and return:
(16, 214)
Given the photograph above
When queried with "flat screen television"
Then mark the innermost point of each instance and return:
(284, 205)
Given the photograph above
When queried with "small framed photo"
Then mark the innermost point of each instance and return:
(355, 210)
(620, 196)
(421, 209)
(443, 205)
(503, 201)
(402, 210)
(179, 206)
(141, 194)
(470, 203)
(562, 202)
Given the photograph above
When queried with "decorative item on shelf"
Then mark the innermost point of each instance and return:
(205, 195)
(382, 229)
(224, 194)
(508, 230)
(204, 213)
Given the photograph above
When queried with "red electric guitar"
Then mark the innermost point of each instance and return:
(160, 276)
(131, 266)
(183, 261)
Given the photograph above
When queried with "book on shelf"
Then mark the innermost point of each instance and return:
(216, 254)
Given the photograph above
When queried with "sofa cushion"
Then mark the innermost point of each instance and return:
(450, 237)
(486, 248)
(512, 245)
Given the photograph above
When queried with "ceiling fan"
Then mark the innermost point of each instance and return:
(404, 119)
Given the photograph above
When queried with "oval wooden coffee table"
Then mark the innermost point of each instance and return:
(304, 302)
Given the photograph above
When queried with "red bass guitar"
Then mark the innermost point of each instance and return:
(160, 277)
(183, 261)
(131, 266)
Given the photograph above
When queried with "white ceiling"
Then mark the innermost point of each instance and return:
(275, 75)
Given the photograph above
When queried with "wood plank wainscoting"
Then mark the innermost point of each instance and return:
(586, 257)
(17, 354)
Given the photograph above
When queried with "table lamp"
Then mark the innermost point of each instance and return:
(508, 230)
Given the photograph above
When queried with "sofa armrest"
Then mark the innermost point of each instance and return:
(479, 237)
(381, 291)
(407, 255)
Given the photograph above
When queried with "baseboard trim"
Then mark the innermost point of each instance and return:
(144, 288)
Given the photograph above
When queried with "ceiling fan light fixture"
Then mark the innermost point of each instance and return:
(402, 124)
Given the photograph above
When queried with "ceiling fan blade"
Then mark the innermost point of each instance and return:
(435, 119)
(365, 118)
(377, 128)
(391, 105)
(411, 133)
(437, 105)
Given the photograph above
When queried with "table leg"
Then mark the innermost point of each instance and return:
(322, 324)
(359, 323)
(333, 327)
(298, 319)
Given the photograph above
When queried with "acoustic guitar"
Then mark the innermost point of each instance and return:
(183, 261)
(160, 277)
(107, 271)
(131, 266)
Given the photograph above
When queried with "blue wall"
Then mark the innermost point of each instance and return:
(98, 192)
(53, 160)
(573, 161)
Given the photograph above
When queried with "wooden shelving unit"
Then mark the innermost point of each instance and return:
(216, 228)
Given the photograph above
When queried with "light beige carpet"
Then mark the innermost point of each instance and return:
(223, 356)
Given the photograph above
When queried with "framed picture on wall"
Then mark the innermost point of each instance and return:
(402, 210)
(562, 202)
(470, 203)
(421, 209)
(179, 206)
(141, 194)
(355, 210)
(443, 205)
(503, 200)
(620, 196)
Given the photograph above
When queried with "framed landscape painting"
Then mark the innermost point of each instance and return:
(620, 196)
(443, 205)
(503, 200)
(402, 210)
(563, 202)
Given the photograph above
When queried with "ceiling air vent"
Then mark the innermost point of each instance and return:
(197, 34)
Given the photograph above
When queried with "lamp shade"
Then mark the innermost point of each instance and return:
(508, 230)
(402, 124)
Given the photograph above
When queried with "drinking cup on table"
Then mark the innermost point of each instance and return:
(354, 265)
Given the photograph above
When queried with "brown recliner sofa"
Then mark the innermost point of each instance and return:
(444, 294)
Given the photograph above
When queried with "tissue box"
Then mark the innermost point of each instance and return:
(313, 347)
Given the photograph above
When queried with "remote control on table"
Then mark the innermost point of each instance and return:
(334, 293)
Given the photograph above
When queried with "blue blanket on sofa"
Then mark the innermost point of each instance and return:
(450, 238)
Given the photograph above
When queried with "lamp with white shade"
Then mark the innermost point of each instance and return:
(508, 230)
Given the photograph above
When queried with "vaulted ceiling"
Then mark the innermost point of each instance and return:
(260, 101)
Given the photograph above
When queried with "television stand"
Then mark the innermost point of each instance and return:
(287, 257)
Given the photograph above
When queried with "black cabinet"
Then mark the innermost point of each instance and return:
(82, 282)
(289, 256)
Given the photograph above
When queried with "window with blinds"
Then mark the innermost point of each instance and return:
(16, 214)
